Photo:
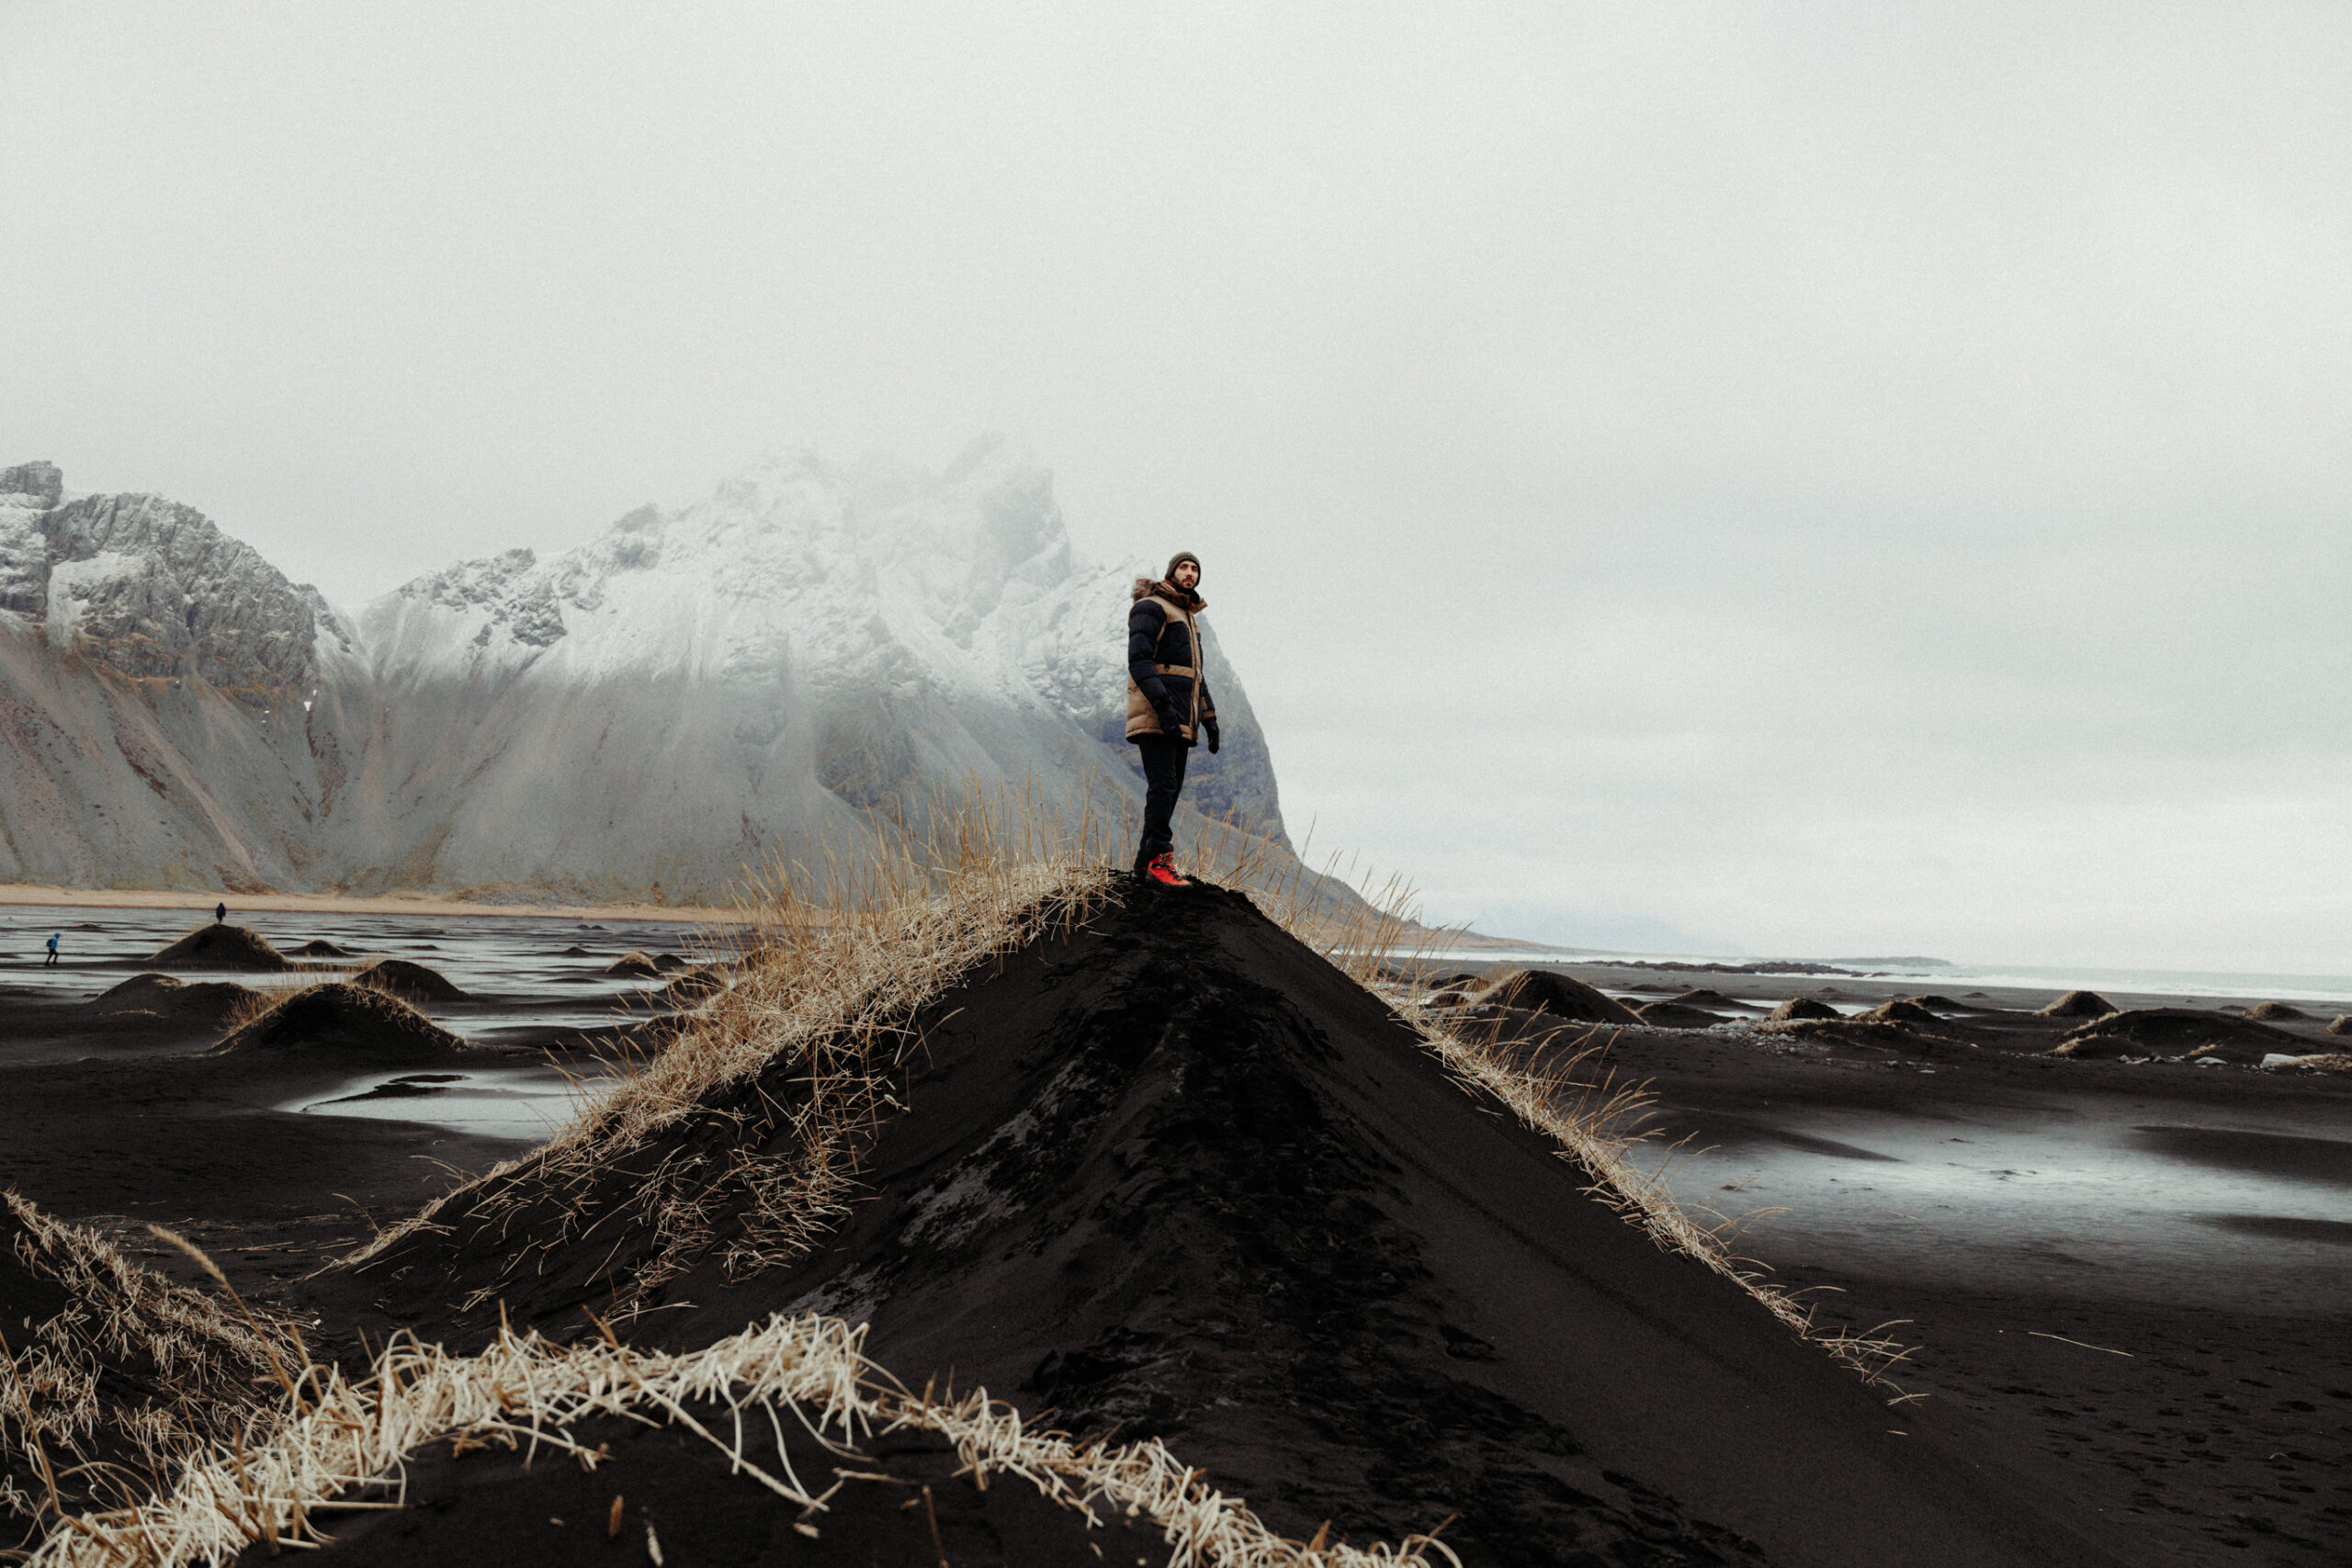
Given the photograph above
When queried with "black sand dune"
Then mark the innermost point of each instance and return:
(1797, 1008)
(2340, 1024)
(1705, 996)
(635, 966)
(319, 947)
(1174, 1175)
(1899, 1011)
(201, 1001)
(1675, 1015)
(2079, 1004)
(345, 1023)
(409, 982)
(221, 947)
(1935, 1003)
(2177, 1032)
(1559, 996)
(2269, 1011)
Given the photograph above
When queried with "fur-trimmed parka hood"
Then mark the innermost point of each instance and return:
(1153, 588)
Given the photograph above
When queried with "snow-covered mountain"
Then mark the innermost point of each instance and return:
(806, 651)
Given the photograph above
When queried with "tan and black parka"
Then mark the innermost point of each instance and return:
(1164, 671)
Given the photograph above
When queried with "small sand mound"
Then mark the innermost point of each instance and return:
(2079, 1004)
(1898, 1011)
(702, 980)
(1797, 1008)
(575, 951)
(2267, 1011)
(634, 967)
(319, 947)
(1674, 1015)
(2342, 1024)
(1460, 980)
(1935, 1003)
(175, 998)
(1704, 998)
(409, 982)
(1448, 999)
(1541, 990)
(670, 963)
(2176, 1031)
(347, 1021)
(221, 947)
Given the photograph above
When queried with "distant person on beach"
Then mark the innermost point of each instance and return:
(52, 959)
(221, 914)
(1167, 704)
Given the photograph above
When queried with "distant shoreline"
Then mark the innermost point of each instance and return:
(35, 895)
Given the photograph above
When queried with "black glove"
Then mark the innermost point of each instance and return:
(1169, 725)
(1210, 724)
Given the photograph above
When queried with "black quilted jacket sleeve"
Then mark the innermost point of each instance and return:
(1145, 623)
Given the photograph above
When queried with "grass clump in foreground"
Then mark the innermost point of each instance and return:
(525, 1390)
(112, 1377)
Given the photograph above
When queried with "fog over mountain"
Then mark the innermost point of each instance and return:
(807, 651)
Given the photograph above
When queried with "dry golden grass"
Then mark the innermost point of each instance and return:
(524, 1393)
(201, 1359)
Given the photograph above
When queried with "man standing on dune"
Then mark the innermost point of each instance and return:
(1167, 704)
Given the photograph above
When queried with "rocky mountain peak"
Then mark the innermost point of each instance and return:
(150, 589)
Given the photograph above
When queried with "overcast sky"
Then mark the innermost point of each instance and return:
(1825, 479)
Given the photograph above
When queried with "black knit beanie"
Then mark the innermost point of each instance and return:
(1178, 558)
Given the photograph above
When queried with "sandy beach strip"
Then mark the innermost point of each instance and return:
(32, 893)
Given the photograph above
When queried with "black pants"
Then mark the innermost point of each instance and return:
(1163, 781)
(51, 961)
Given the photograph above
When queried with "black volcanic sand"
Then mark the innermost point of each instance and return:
(2225, 1434)
(132, 1108)
(1175, 1176)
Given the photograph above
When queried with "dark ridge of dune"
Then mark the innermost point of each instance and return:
(1935, 1003)
(1705, 998)
(85, 926)
(1559, 996)
(634, 967)
(2267, 1011)
(1797, 1009)
(1448, 999)
(345, 1021)
(2342, 1024)
(221, 947)
(671, 963)
(114, 1372)
(1897, 1011)
(1460, 980)
(1674, 1015)
(574, 950)
(2077, 1004)
(172, 997)
(409, 982)
(1171, 1173)
(2177, 1032)
(319, 947)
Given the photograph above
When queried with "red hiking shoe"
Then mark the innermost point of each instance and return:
(1162, 868)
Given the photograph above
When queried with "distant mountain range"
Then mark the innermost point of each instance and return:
(808, 651)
